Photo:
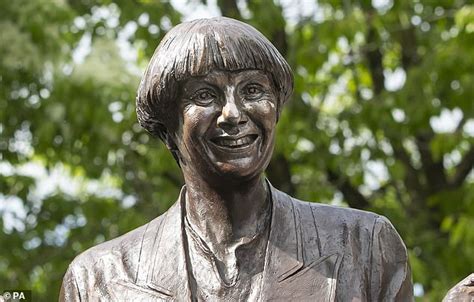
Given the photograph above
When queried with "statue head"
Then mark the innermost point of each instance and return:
(218, 52)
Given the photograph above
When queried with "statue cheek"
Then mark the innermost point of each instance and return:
(198, 116)
(190, 110)
(263, 109)
(269, 113)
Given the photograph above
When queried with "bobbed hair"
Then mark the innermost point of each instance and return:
(196, 48)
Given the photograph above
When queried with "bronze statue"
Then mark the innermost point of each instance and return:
(213, 92)
(462, 292)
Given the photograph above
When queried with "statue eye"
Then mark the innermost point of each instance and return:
(252, 91)
(203, 96)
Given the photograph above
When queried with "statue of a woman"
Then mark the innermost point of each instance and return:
(213, 92)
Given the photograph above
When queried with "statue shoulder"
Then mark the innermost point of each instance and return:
(115, 263)
(337, 216)
(117, 256)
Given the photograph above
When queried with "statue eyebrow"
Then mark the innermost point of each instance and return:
(212, 79)
(209, 79)
(255, 74)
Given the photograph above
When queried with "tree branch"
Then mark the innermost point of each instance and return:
(352, 195)
(463, 168)
(279, 173)
(229, 9)
(280, 41)
(433, 170)
(408, 42)
(374, 58)
(411, 180)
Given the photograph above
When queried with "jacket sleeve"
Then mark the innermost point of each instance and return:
(390, 271)
(69, 289)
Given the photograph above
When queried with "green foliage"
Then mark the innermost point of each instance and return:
(76, 169)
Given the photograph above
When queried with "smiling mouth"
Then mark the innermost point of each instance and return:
(230, 143)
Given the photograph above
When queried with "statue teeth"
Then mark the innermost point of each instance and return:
(234, 142)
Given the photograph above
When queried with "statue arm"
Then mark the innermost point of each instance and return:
(70, 288)
(390, 271)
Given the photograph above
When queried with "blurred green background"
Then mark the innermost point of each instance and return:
(382, 119)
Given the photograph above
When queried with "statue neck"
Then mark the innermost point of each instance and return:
(223, 215)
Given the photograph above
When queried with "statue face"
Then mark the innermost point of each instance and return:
(227, 124)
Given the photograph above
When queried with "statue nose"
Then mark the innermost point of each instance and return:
(231, 115)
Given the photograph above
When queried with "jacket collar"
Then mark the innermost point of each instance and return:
(288, 276)
(162, 265)
(285, 247)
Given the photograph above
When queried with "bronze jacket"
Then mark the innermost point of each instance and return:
(315, 252)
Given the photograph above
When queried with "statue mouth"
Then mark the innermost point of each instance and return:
(234, 143)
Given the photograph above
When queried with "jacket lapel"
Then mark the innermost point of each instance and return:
(288, 276)
(162, 265)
